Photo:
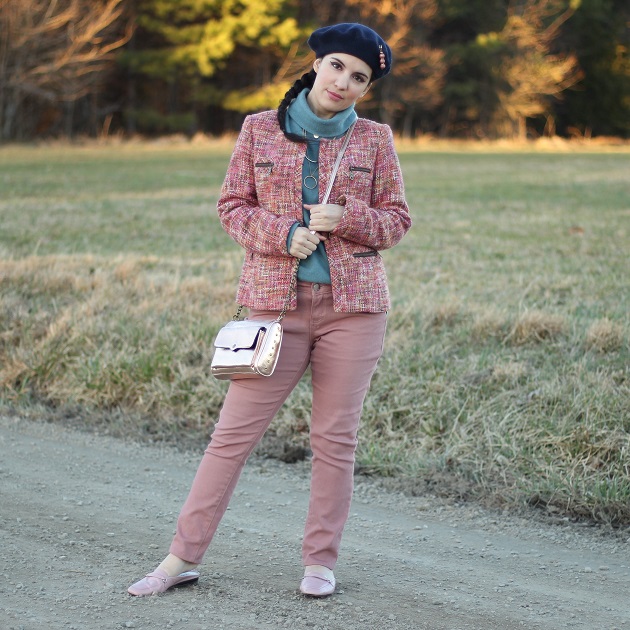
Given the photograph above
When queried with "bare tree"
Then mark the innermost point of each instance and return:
(530, 73)
(54, 51)
(419, 70)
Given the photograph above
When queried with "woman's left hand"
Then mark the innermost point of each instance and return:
(324, 217)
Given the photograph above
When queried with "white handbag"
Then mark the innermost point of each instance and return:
(245, 348)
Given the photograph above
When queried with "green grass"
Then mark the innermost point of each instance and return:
(506, 370)
(119, 200)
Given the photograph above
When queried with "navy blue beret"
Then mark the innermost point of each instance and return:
(356, 40)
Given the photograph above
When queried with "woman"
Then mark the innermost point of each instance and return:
(269, 204)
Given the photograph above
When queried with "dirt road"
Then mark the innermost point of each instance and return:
(82, 516)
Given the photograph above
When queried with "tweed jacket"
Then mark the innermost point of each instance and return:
(261, 199)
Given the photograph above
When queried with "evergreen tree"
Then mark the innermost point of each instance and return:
(599, 104)
(191, 58)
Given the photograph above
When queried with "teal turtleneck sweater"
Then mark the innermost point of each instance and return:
(302, 121)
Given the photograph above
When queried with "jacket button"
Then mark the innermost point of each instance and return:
(316, 287)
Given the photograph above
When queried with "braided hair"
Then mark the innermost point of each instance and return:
(304, 82)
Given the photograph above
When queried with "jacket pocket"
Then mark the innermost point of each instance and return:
(368, 254)
(355, 170)
(263, 176)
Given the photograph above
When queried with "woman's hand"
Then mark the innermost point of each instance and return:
(304, 243)
(324, 217)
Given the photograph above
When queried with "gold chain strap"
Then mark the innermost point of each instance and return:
(287, 300)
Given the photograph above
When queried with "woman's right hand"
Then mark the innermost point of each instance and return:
(304, 243)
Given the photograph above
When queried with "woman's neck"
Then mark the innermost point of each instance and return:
(301, 118)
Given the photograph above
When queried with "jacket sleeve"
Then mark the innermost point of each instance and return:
(385, 220)
(242, 217)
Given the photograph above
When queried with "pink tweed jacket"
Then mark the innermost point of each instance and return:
(261, 199)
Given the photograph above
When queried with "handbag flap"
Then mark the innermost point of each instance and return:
(239, 335)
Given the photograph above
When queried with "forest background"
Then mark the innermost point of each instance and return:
(463, 68)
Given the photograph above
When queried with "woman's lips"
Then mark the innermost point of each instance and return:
(334, 96)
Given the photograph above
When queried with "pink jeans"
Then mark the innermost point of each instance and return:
(342, 350)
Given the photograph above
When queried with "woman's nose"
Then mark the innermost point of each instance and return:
(342, 82)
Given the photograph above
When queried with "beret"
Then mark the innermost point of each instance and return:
(356, 40)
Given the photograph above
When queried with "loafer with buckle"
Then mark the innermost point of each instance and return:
(317, 585)
(159, 581)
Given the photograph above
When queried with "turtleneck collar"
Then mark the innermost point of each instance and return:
(301, 118)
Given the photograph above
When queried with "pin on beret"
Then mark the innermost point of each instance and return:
(356, 40)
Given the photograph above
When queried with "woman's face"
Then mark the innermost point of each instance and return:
(341, 80)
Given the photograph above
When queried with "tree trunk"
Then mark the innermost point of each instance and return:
(69, 119)
(9, 112)
(407, 130)
(522, 129)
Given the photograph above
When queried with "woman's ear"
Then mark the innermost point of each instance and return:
(367, 89)
(317, 63)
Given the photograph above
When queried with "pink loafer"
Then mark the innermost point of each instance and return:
(159, 581)
(317, 585)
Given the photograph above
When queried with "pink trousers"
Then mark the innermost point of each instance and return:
(342, 350)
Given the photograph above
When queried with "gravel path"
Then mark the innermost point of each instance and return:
(83, 516)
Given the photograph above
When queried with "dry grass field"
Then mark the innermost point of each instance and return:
(506, 374)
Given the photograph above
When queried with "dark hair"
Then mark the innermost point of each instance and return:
(305, 81)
